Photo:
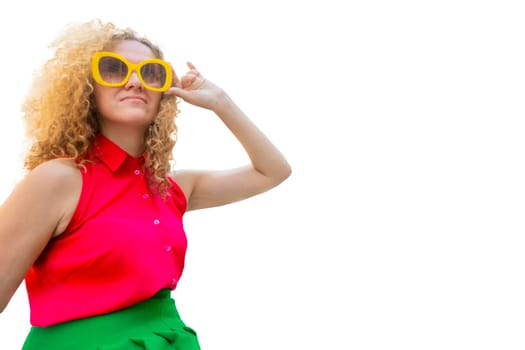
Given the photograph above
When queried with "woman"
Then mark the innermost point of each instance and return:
(95, 227)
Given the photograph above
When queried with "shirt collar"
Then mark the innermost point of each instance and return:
(110, 153)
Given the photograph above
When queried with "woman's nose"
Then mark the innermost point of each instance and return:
(134, 81)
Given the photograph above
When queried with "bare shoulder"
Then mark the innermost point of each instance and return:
(44, 186)
(55, 180)
(57, 170)
(185, 179)
(58, 183)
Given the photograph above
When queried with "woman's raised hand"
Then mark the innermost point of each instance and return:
(193, 88)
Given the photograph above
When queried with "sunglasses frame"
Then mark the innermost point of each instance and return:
(132, 67)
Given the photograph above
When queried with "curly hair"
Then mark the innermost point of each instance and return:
(60, 113)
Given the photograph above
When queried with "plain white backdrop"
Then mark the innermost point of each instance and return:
(402, 224)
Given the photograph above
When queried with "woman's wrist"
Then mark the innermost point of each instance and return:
(224, 105)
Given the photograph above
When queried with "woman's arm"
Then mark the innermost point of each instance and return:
(268, 166)
(38, 208)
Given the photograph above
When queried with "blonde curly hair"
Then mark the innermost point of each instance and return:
(60, 113)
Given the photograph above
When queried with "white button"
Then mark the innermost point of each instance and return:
(137, 172)
(156, 221)
(145, 196)
(168, 248)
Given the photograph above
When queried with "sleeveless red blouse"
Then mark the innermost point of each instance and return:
(123, 244)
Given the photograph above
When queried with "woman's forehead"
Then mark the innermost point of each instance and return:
(133, 50)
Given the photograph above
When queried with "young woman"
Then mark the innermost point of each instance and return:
(95, 227)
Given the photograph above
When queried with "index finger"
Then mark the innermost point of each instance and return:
(191, 66)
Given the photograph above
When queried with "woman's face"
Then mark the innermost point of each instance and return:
(130, 105)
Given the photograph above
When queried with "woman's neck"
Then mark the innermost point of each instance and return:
(130, 140)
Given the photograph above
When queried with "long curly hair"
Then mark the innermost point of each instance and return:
(60, 112)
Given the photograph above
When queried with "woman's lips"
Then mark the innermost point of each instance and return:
(134, 98)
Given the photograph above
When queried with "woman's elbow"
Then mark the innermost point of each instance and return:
(283, 174)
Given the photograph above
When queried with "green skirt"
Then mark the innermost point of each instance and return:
(153, 324)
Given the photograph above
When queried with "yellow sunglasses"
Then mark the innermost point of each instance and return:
(113, 70)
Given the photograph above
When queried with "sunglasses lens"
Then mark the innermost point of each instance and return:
(154, 75)
(112, 70)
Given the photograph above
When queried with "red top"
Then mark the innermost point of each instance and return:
(123, 244)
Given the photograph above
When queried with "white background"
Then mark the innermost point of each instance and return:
(401, 226)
